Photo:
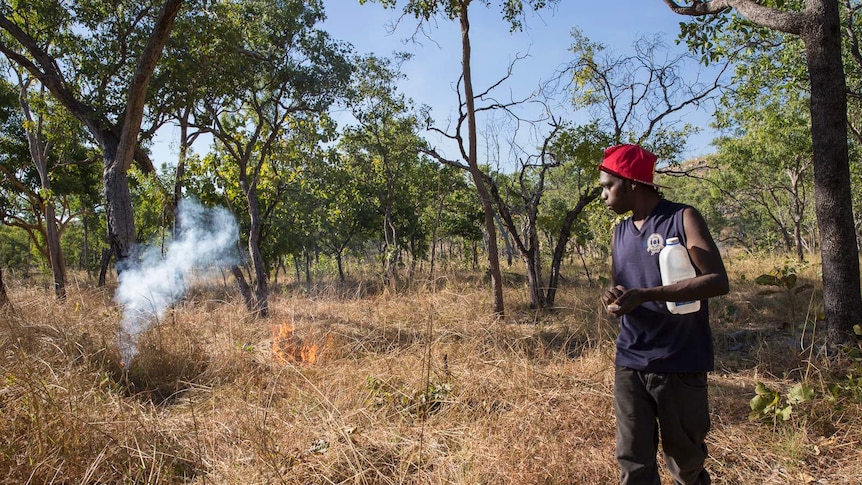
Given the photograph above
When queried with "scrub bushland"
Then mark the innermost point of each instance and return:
(364, 384)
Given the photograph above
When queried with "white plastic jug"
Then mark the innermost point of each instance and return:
(675, 265)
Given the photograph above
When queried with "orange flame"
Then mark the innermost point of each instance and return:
(287, 347)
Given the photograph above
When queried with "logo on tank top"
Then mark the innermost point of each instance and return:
(655, 243)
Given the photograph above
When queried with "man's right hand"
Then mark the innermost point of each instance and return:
(610, 296)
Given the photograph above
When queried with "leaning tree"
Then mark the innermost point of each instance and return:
(64, 49)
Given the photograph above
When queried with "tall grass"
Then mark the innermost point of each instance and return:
(420, 385)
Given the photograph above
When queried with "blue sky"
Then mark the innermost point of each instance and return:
(435, 67)
(545, 39)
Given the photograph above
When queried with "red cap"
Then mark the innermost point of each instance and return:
(630, 162)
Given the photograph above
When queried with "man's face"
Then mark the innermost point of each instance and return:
(615, 192)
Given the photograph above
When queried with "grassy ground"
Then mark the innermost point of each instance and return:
(421, 385)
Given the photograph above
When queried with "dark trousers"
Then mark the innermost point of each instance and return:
(671, 406)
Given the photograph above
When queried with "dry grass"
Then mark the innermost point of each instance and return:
(422, 386)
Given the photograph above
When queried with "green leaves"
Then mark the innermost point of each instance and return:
(799, 394)
(768, 405)
(786, 281)
(784, 278)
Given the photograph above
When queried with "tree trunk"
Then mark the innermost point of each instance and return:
(390, 237)
(103, 266)
(55, 252)
(506, 236)
(474, 256)
(39, 151)
(244, 289)
(180, 172)
(85, 256)
(563, 240)
(534, 279)
(339, 260)
(797, 234)
(261, 290)
(4, 298)
(832, 191)
(437, 217)
(118, 210)
(475, 171)
(308, 270)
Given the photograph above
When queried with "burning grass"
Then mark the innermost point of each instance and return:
(417, 387)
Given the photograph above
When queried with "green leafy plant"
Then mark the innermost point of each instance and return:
(415, 403)
(850, 388)
(785, 278)
(771, 406)
(785, 281)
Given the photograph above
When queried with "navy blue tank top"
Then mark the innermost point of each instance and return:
(651, 338)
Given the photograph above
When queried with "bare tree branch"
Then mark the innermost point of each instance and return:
(780, 20)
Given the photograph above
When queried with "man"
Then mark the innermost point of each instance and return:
(662, 359)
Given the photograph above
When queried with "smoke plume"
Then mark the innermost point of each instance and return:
(206, 240)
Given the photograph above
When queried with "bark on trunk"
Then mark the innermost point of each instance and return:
(244, 289)
(475, 171)
(85, 256)
(832, 196)
(4, 298)
(180, 172)
(534, 280)
(261, 290)
(307, 270)
(103, 266)
(118, 209)
(339, 259)
(55, 252)
(390, 238)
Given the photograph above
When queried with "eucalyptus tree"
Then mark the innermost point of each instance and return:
(44, 173)
(62, 45)
(40, 144)
(384, 148)
(385, 157)
(422, 192)
(284, 192)
(16, 172)
(211, 40)
(817, 24)
(512, 11)
(298, 193)
(345, 214)
(767, 169)
(154, 209)
(455, 215)
(52, 138)
(15, 249)
(283, 72)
